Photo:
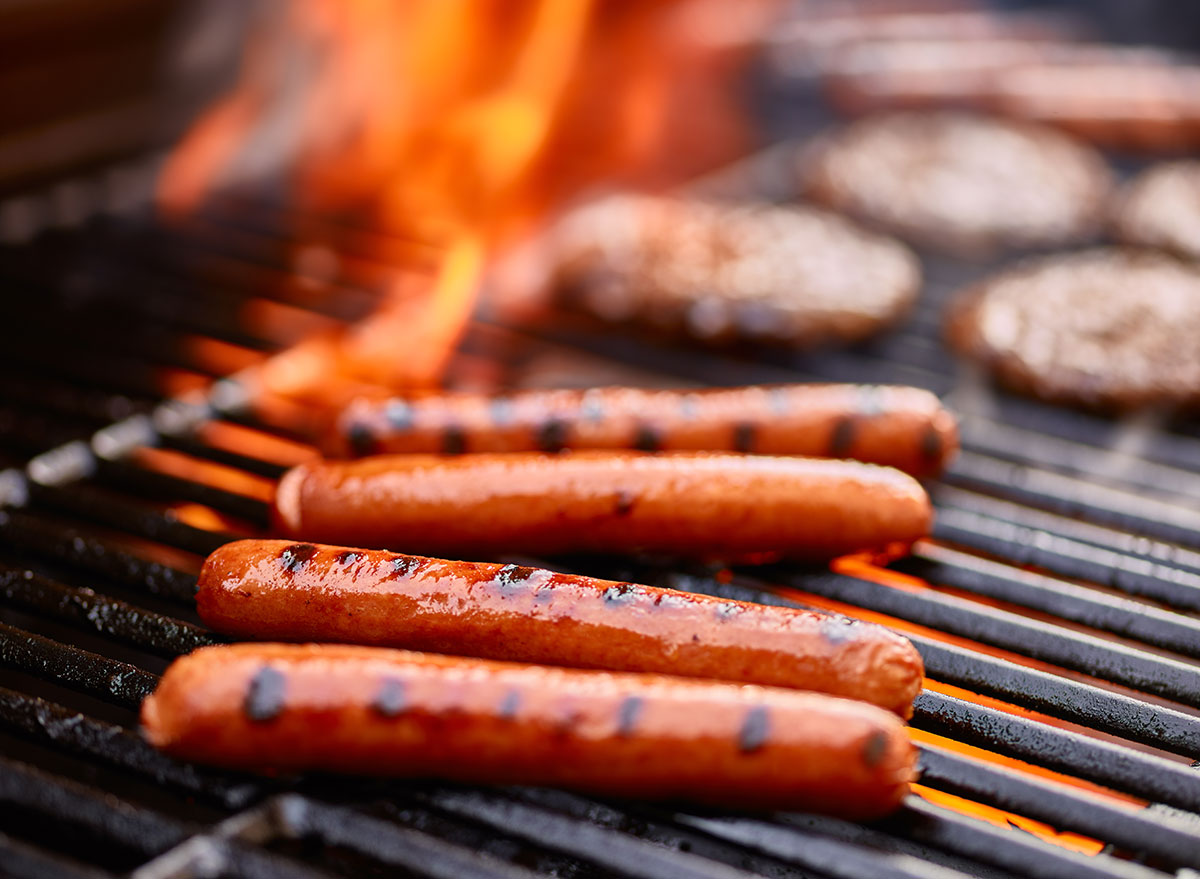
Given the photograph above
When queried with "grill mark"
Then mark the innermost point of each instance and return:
(265, 695)
(619, 592)
(454, 440)
(839, 629)
(874, 749)
(552, 435)
(627, 715)
(842, 437)
(510, 575)
(624, 504)
(567, 721)
(399, 415)
(348, 557)
(509, 705)
(931, 443)
(744, 437)
(647, 438)
(391, 698)
(403, 565)
(755, 728)
(361, 439)
(294, 557)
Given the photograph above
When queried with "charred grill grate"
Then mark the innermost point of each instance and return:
(1055, 607)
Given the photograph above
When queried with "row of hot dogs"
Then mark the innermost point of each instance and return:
(639, 691)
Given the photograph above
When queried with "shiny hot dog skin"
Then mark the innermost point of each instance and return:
(282, 591)
(698, 505)
(901, 427)
(385, 712)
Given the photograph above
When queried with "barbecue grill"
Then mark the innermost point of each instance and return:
(1055, 606)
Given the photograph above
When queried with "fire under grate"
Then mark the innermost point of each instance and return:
(1055, 606)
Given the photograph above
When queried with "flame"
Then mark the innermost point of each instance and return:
(1064, 839)
(211, 473)
(461, 125)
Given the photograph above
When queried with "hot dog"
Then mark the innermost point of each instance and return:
(281, 591)
(374, 711)
(900, 427)
(733, 507)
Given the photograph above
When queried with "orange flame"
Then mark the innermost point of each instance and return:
(461, 124)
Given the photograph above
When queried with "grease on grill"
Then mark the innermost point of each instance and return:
(755, 729)
(294, 557)
(265, 695)
(391, 697)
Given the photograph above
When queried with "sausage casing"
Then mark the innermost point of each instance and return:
(901, 427)
(386, 712)
(281, 591)
(683, 504)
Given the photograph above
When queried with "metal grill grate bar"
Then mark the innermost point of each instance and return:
(134, 833)
(1051, 694)
(1171, 841)
(68, 545)
(1114, 662)
(1009, 848)
(1023, 544)
(115, 619)
(1070, 496)
(1113, 766)
(90, 673)
(21, 861)
(55, 725)
(1079, 604)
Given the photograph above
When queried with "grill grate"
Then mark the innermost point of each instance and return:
(1055, 606)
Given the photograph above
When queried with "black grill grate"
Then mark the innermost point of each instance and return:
(1055, 606)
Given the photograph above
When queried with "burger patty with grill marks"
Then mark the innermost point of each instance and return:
(723, 272)
(1104, 328)
(961, 183)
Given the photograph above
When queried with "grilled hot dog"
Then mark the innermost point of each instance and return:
(275, 590)
(898, 426)
(683, 504)
(367, 710)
